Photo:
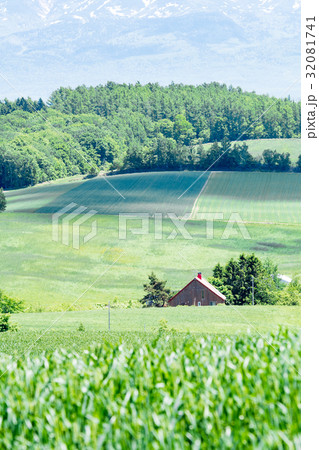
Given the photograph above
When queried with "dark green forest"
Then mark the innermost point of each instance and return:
(135, 127)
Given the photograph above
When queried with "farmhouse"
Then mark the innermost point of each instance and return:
(198, 292)
(284, 278)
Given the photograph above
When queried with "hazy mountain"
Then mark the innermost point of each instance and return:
(48, 43)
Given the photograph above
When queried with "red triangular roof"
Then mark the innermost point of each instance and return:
(206, 284)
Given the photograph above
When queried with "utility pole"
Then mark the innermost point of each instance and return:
(109, 308)
(252, 289)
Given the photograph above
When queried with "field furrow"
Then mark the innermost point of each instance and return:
(256, 196)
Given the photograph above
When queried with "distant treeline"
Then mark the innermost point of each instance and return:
(219, 156)
(135, 127)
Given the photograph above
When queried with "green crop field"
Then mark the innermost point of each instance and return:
(32, 198)
(49, 275)
(256, 196)
(257, 146)
(38, 332)
(156, 192)
(168, 392)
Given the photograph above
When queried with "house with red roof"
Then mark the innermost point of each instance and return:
(198, 292)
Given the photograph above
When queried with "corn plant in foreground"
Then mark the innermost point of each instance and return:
(242, 392)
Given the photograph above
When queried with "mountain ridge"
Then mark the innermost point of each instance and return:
(48, 43)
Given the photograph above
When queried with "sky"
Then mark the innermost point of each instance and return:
(46, 44)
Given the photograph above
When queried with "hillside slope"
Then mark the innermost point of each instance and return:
(140, 128)
(256, 196)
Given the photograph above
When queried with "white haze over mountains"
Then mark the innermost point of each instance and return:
(45, 44)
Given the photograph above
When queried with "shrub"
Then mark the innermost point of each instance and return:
(5, 324)
(164, 328)
(81, 328)
(93, 172)
(291, 294)
(10, 305)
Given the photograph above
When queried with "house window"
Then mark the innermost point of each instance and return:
(203, 294)
(212, 303)
(199, 304)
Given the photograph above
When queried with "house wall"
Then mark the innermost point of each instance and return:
(194, 293)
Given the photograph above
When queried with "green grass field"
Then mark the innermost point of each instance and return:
(292, 146)
(257, 146)
(39, 332)
(257, 197)
(49, 275)
(139, 325)
(222, 319)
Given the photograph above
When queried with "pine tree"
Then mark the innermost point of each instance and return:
(3, 202)
(298, 165)
(237, 277)
(156, 292)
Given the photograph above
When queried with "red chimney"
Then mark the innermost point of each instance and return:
(199, 275)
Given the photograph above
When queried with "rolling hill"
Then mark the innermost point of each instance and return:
(49, 275)
(256, 196)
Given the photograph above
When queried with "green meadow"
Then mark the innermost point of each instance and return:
(222, 319)
(292, 146)
(48, 330)
(110, 267)
(48, 274)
